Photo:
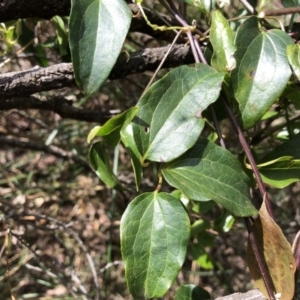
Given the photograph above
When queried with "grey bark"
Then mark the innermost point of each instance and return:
(25, 83)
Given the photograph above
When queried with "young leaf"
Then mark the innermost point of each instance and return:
(191, 292)
(110, 131)
(222, 39)
(97, 31)
(281, 167)
(293, 54)
(100, 163)
(128, 141)
(155, 231)
(169, 119)
(262, 69)
(208, 170)
(61, 33)
(277, 256)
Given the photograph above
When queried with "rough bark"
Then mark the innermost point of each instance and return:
(25, 83)
(59, 105)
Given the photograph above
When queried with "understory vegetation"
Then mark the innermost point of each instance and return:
(149, 149)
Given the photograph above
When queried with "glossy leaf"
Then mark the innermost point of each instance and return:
(100, 163)
(110, 131)
(191, 292)
(262, 70)
(208, 170)
(222, 39)
(128, 141)
(169, 119)
(155, 231)
(277, 256)
(293, 54)
(281, 167)
(97, 30)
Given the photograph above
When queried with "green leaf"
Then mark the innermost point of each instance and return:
(199, 226)
(61, 33)
(97, 30)
(208, 170)
(281, 167)
(169, 119)
(289, 3)
(110, 131)
(225, 222)
(262, 70)
(128, 141)
(293, 95)
(288, 148)
(100, 163)
(222, 39)
(293, 54)
(155, 231)
(191, 292)
(201, 257)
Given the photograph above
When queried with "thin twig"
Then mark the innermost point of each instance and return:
(266, 278)
(249, 155)
(162, 62)
(248, 6)
(280, 11)
(81, 245)
(25, 143)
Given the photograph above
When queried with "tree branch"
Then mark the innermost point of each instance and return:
(58, 105)
(36, 146)
(25, 83)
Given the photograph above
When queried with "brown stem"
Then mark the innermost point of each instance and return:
(261, 265)
(250, 157)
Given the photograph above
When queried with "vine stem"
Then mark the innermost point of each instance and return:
(250, 157)
(198, 56)
(261, 265)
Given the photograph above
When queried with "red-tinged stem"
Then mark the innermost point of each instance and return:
(261, 265)
(250, 157)
(266, 278)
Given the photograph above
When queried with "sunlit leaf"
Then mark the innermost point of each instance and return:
(277, 256)
(110, 131)
(293, 54)
(212, 172)
(169, 119)
(100, 163)
(222, 39)
(225, 222)
(61, 33)
(97, 30)
(262, 70)
(201, 257)
(128, 141)
(191, 292)
(155, 231)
